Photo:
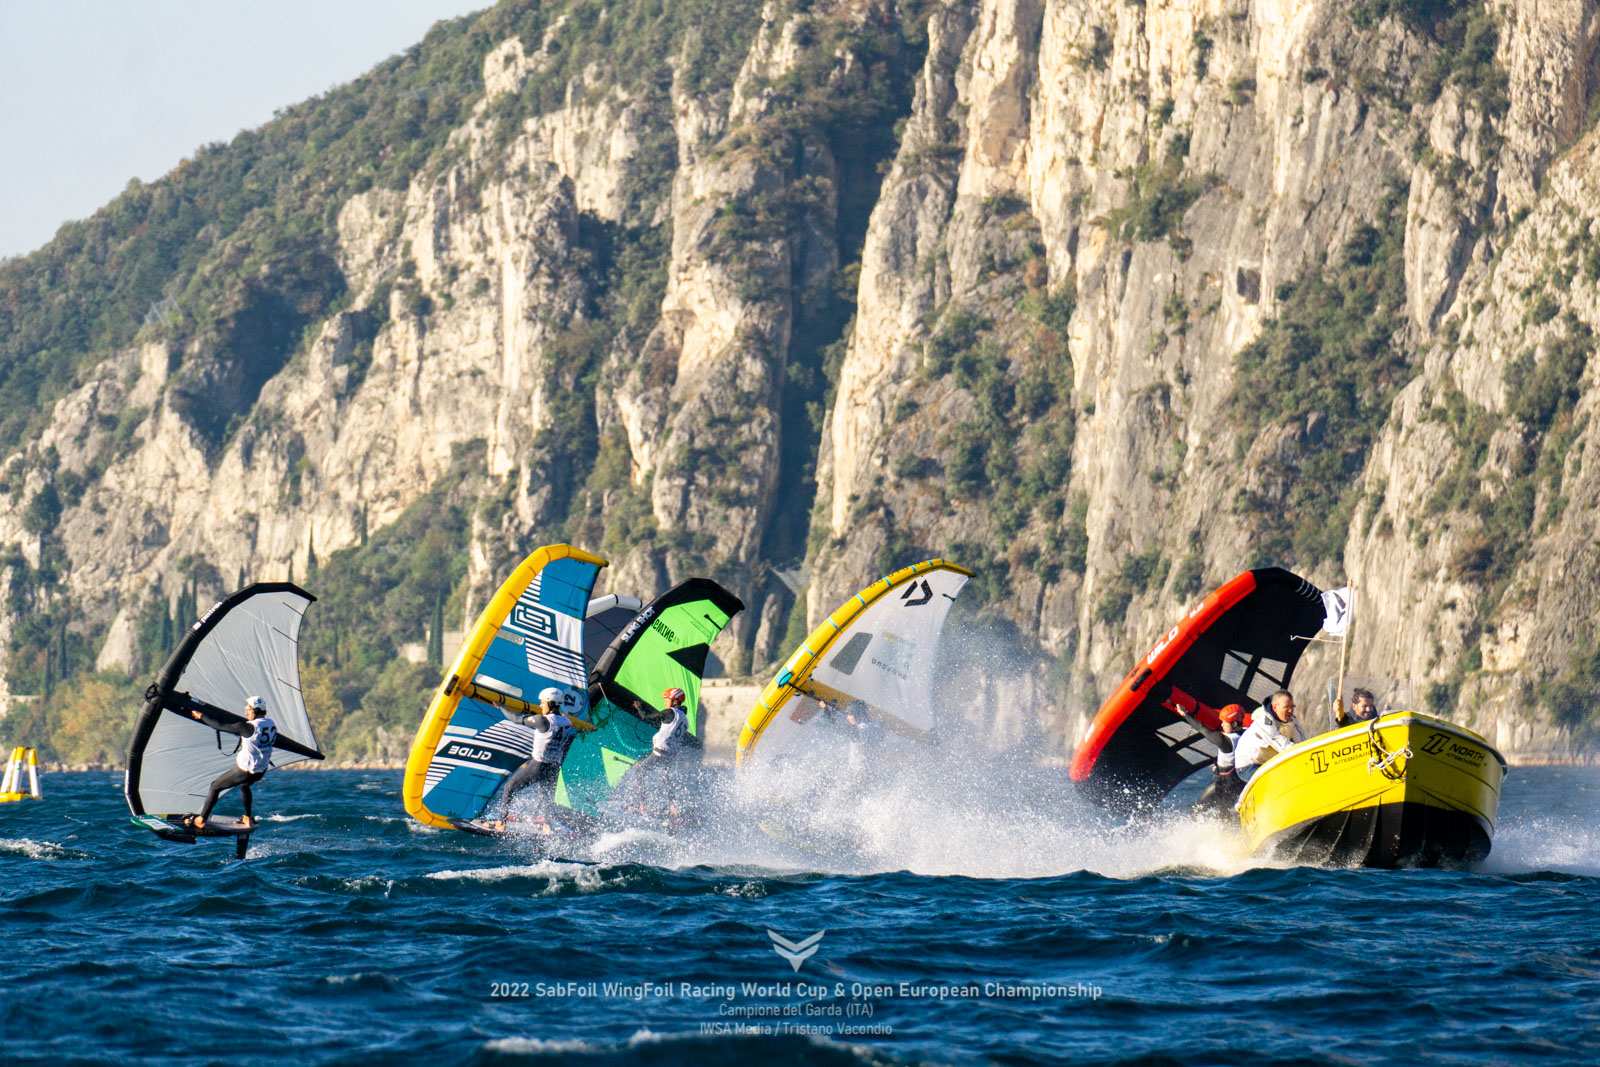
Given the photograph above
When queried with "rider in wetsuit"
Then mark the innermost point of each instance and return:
(553, 732)
(1225, 786)
(257, 734)
(653, 774)
(674, 729)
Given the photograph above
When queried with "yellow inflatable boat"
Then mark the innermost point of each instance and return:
(1407, 790)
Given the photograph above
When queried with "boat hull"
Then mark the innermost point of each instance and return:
(1411, 790)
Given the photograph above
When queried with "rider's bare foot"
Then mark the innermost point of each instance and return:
(247, 820)
(198, 822)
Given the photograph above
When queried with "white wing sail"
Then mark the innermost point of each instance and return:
(246, 645)
(888, 656)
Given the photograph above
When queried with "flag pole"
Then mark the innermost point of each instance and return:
(1344, 648)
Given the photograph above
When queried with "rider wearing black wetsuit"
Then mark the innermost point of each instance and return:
(1225, 785)
(552, 736)
(257, 734)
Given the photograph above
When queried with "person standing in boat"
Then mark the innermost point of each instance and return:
(1272, 730)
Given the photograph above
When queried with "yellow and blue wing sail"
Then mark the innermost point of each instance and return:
(529, 638)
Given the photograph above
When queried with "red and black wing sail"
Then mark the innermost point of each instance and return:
(1237, 647)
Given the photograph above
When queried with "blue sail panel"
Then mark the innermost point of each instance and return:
(481, 748)
(529, 638)
(540, 642)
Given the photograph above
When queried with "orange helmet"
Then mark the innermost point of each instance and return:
(1233, 713)
(674, 696)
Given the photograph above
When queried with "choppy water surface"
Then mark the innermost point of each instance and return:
(1016, 930)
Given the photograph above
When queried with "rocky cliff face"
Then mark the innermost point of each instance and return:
(1174, 165)
(1000, 281)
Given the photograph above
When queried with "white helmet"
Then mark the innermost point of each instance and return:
(256, 704)
(551, 695)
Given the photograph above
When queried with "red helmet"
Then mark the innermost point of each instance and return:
(674, 696)
(1233, 713)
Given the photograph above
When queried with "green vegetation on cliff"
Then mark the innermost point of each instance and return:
(230, 259)
(231, 255)
(364, 697)
(1323, 376)
(1014, 451)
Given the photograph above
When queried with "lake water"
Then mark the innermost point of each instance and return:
(1017, 930)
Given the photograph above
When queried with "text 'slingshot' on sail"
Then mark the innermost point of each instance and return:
(644, 693)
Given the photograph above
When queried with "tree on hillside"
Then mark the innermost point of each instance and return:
(92, 722)
(436, 633)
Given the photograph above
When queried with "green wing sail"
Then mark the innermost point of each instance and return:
(664, 647)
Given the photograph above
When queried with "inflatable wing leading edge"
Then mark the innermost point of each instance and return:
(663, 646)
(245, 646)
(529, 638)
(881, 648)
(1240, 645)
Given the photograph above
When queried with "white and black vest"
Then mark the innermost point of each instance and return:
(551, 745)
(672, 734)
(255, 751)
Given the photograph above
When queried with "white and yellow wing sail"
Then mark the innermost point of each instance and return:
(881, 648)
(529, 638)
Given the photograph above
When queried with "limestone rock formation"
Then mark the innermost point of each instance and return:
(1107, 301)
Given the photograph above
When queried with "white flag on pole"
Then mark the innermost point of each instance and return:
(1336, 606)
